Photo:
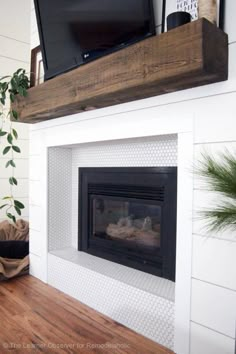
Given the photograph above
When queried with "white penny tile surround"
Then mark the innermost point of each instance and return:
(202, 119)
(132, 298)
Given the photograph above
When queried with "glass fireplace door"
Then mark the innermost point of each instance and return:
(127, 215)
(134, 222)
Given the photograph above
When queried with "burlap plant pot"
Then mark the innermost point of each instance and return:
(14, 249)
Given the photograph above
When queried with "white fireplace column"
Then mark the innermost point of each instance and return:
(65, 137)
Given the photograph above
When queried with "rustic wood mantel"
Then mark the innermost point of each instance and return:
(188, 56)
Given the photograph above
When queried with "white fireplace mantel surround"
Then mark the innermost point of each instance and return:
(205, 299)
(204, 119)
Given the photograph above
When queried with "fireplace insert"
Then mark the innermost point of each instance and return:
(128, 215)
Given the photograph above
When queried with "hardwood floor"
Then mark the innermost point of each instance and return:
(36, 318)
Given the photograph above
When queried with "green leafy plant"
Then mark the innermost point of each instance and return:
(220, 176)
(10, 86)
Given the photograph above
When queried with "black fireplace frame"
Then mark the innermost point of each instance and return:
(155, 185)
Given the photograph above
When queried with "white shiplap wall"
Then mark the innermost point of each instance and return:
(14, 54)
(213, 300)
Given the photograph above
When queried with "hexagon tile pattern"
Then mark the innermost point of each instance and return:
(132, 303)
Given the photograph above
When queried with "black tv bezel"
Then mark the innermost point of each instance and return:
(49, 73)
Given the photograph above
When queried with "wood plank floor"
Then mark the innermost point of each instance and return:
(36, 318)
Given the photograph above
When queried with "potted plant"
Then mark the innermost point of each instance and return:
(10, 86)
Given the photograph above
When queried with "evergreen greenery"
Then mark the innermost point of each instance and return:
(10, 86)
(220, 176)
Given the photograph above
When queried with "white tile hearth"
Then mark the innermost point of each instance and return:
(154, 285)
(140, 310)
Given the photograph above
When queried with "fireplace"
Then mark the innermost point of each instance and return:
(128, 215)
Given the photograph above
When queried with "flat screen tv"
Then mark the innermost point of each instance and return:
(74, 32)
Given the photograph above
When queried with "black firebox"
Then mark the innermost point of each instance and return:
(128, 215)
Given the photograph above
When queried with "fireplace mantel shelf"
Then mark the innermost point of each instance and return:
(189, 56)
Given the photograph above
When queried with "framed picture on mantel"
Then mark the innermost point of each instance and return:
(213, 10)
(36, 70)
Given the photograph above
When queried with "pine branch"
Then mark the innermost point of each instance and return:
(220, 177)
(222, 217)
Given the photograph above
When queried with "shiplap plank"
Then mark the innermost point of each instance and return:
(15, 19)
(214, 307)
(214, 261)
(206, 341)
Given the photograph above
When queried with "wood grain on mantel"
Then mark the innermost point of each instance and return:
(188, 56)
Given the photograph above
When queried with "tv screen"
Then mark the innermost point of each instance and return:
(73, 32)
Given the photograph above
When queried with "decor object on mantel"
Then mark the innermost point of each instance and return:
(190, 6)
(208, 9)
(189, 56)
(171, 6)
(14, 249)
(178, 18)
(212, 10)
(36, 67)
(10, 86)
(220, 175)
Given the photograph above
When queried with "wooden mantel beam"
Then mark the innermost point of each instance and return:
(188, 56)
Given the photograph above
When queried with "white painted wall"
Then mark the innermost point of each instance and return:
(211, 111)
(14, 54)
